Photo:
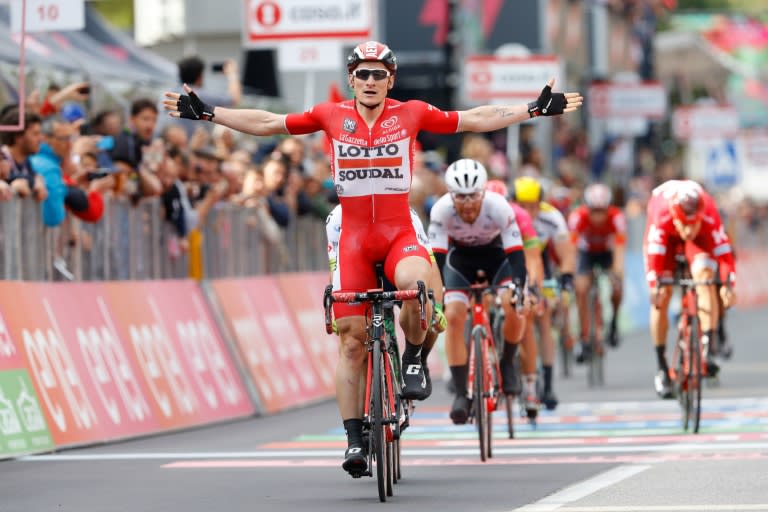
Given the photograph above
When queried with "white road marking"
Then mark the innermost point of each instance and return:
(580, 490)
(666, 508)
(436, 452)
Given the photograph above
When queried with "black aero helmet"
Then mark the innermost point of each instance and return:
(372, 51)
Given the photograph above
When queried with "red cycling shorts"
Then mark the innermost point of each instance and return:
(361, 247)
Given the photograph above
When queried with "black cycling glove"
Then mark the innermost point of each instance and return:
(192, 107)
(548, 103)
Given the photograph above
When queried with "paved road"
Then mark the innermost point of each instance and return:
(616, 449)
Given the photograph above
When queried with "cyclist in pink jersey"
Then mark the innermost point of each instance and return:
(372, 150)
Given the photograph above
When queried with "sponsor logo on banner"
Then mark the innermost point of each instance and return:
(278, 363)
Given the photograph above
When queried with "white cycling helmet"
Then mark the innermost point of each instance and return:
(597, 196)
(466, 176)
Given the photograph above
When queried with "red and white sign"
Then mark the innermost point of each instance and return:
(489, 77)
(645, 99)
(270, 21)
(700, 121)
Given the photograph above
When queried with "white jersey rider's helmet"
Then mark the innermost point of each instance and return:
(466, 176)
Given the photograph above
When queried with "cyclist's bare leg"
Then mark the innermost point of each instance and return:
(709, 307)
(582, 284)
(617, 293)
(547, 349)
(352, 366)
(407, 272)
(456, 354)
(528, 358)
(513, 331)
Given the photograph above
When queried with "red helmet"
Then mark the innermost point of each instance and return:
(497, 186)
(687, 204)
(372, 51)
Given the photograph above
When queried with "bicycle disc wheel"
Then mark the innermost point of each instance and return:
(378, 430)
(694, 375)
(396, 460)
(681, 376)
(480, 405)
(390, 468)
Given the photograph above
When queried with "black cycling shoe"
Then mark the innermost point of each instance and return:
(613, 336)
(414, 380)
(584, 352)
(460, 410)
(428, 387)
(510, 383)
(712, 367)
(725, 350)
(355, 461)
(549, 400)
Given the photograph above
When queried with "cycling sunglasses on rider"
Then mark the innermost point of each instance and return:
(465, 198)
(378, 74)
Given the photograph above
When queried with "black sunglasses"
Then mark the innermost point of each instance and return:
(378, 74)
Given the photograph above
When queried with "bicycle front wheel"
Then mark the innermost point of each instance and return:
(378, 429)
(480, 405)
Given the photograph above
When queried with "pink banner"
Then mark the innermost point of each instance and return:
(278, 363)
(96, 370)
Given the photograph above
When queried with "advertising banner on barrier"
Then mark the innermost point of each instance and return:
(104, 366)
(270, 344)
(23, 428)
(184, 362)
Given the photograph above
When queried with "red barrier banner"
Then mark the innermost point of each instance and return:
(23, 428)
(96, 352)
(304, 295)
(269, 343)
(185, 364)
(751, 278)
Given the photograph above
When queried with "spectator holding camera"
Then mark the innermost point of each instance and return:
(18, 146)
(133, 156)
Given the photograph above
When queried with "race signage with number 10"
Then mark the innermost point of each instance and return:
(48, 15)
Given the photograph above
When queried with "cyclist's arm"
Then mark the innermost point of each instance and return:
(534, 264)
(511, 238)
(251, 121)
(438, 234)
(488, 118)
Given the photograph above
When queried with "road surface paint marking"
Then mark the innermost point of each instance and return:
(342, 443)
(407, 452)
(474, 461)
(663, 508)
(584, 488)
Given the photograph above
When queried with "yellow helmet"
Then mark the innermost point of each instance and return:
(527, 190)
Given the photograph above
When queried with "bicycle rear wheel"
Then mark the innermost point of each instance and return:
(378, 430)
(509, 401)
(480, 405)
(694, 373)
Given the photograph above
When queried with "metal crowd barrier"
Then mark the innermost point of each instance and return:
(135, 242)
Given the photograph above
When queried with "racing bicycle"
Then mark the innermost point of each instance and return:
(385, 414)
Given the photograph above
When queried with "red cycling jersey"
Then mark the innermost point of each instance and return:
(662, 241)
(371, 168)
(591, 237)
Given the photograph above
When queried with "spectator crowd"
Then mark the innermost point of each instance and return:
(71, 161)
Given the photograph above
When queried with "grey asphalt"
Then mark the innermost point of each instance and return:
(615, 448)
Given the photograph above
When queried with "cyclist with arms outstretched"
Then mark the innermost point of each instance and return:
(683, 218)
(372, 149)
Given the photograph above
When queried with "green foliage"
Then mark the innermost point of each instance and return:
(119, 13)
(757, 8)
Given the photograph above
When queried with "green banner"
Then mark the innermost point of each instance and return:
(22, 424)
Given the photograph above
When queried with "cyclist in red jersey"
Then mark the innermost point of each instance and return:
(372, 149)
(682, 217)
(599, 231)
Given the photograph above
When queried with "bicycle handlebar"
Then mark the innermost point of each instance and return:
(684, 281)
(419, 293)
